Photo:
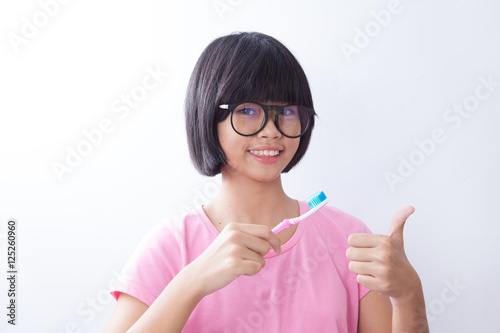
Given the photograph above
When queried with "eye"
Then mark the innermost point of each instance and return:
(247, 111)
(290, 111)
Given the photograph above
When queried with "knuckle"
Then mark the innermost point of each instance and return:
(383, 256)
(386, 242)
(263, 228)
(385, 277)
(386, 285)
(266, 232)
(234, 236)
(231, 227)
(234, 250)
(231, 263)
(257, 267)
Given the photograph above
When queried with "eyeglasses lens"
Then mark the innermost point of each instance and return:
(248, 118)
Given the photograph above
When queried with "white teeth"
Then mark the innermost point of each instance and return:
(265, 153)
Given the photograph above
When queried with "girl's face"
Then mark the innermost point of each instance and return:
(262, 156)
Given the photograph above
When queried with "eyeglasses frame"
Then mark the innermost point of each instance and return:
(267, 108)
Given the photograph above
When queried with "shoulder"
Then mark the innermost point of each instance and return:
(182, 224)
(168, 241)
(172, 230)
(185, 235)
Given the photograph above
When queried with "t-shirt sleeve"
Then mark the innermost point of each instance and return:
(354, 226)
(153, 264)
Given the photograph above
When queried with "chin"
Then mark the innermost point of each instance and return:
(264, 173)
(266, 177)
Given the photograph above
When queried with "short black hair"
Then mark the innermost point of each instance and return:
(240, 67)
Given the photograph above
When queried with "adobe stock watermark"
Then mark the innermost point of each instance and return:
(203, 195)
(87, 310)
(448, 295)
(121, 107)
(437, 306)
(31, 26)
(363, 37)
(454, 117)
(222, 7)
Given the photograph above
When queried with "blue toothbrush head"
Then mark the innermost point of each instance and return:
(316, 199)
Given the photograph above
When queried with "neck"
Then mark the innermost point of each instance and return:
(244, 200)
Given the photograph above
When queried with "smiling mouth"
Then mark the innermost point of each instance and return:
(265, 153)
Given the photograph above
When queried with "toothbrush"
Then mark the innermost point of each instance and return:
(315, 201)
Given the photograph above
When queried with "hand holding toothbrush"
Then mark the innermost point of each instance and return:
(238, 250)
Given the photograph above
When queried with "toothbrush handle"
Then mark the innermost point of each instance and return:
(285, 224)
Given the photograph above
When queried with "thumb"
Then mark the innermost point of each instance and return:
(398, 223)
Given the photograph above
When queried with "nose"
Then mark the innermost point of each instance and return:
(270, 130)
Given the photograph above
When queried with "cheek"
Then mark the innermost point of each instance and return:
(293, 147)
(229, 142)
(224, 135)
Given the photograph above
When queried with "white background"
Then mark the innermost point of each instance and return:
(76, 233)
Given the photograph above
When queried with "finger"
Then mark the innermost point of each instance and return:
(360, 267)
(250, 255)
(250, 267)
(248, 262)
(365, 240)
(256, 244)
(398, 221)
(367, 280)
(360, 254)
(263, 232)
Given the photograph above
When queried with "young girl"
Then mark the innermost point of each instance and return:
(219, 267)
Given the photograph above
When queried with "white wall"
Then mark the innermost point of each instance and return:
(68, 76)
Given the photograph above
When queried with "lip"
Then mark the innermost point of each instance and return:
(267, 148)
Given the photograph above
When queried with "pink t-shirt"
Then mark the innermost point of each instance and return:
(307, 288)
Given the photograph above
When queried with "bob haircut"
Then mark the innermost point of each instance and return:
(240, 67)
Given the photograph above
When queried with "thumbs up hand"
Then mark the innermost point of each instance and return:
(380, 261)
